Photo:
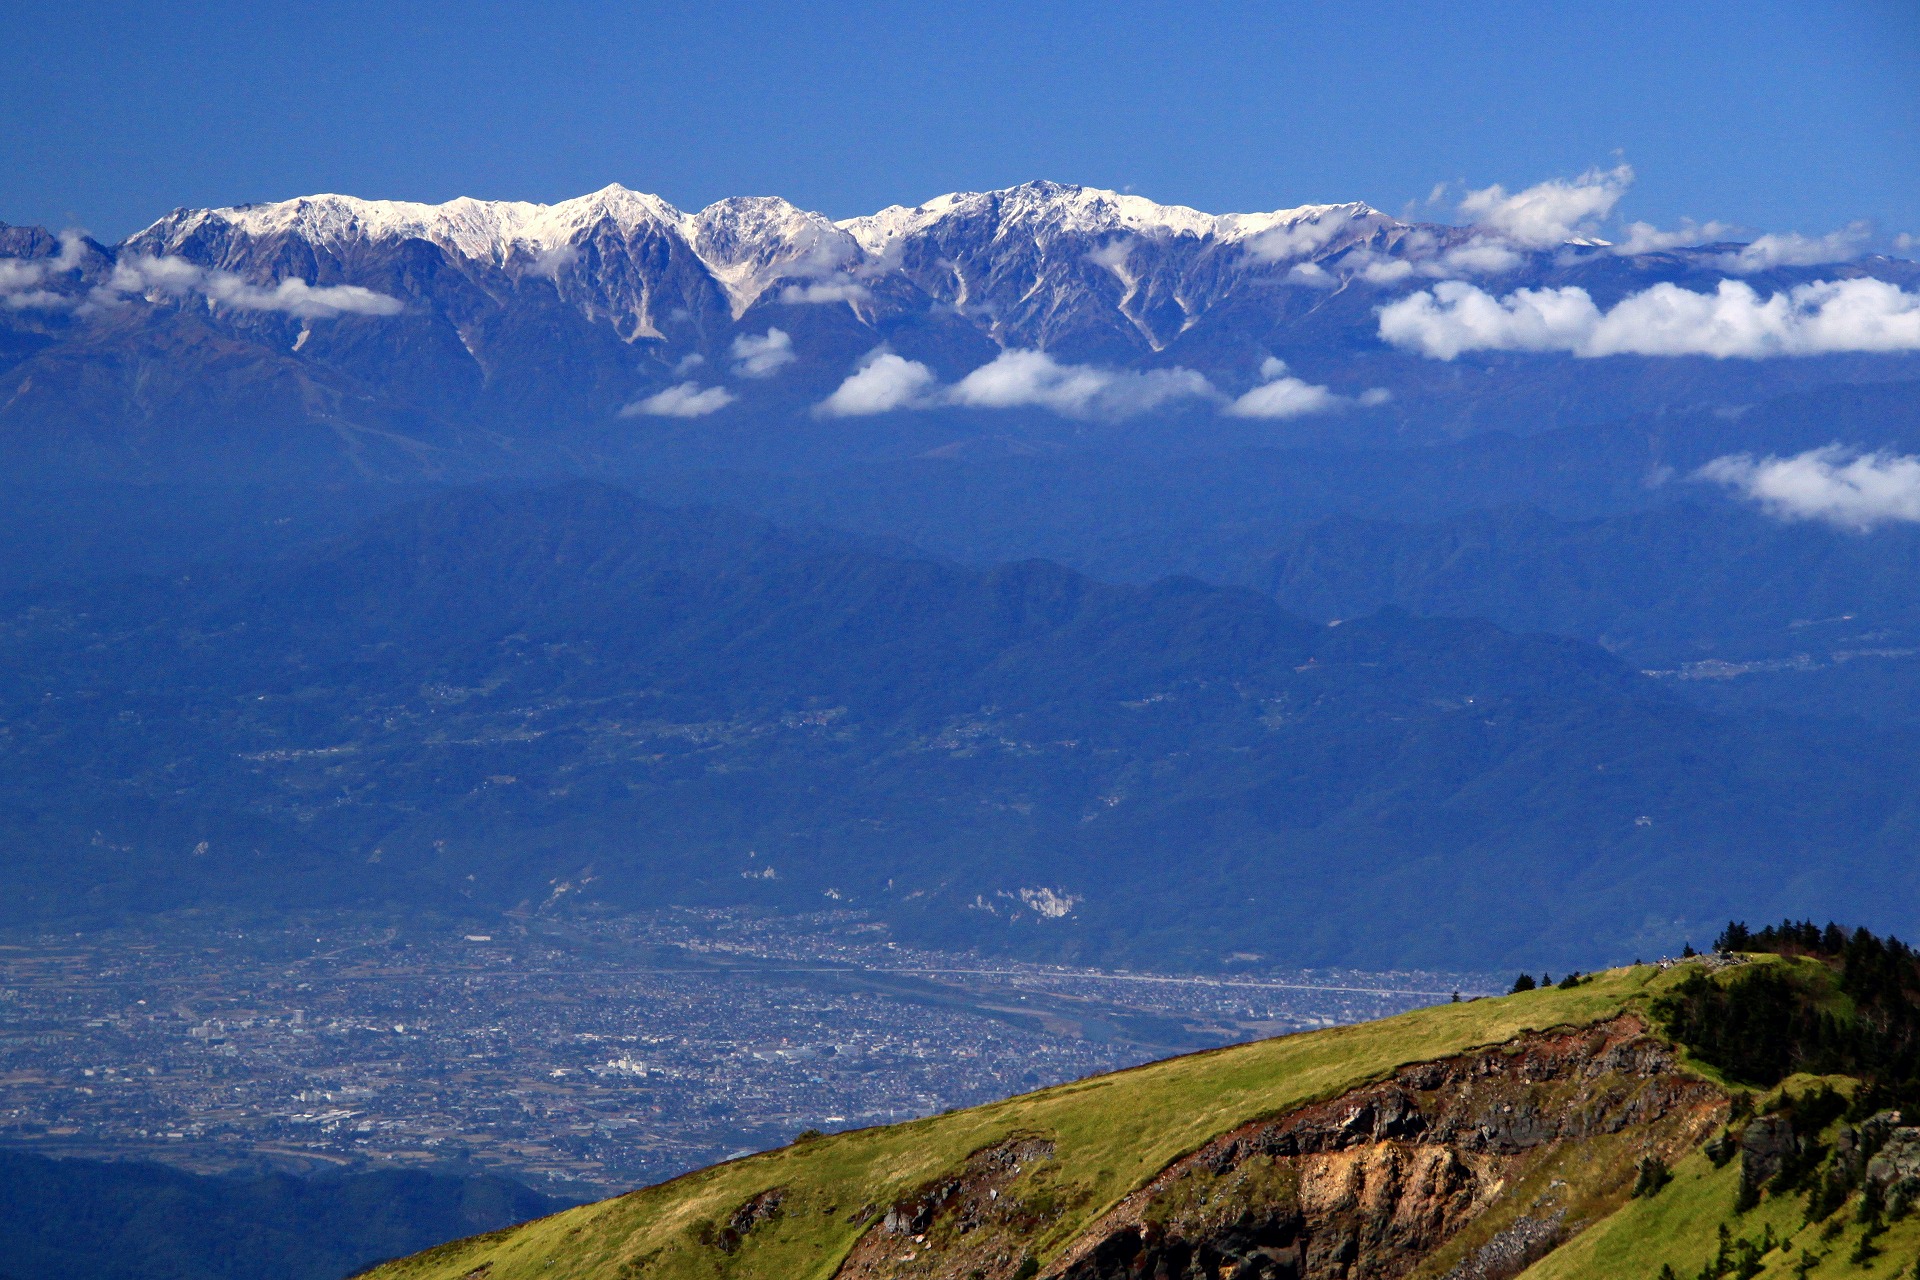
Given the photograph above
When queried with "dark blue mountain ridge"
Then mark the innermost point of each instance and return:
(554, 697)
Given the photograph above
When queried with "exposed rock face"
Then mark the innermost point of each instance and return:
(1766, 1144)
(974, 1214)
(1895, 1168)
(1453, 1160)
(1372, 1183)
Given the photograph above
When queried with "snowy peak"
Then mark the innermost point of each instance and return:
(1047, 210)
(749, 242)
(479, 230)
(1042, 265)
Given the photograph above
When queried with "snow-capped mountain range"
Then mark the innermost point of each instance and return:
(1014, 258)
(407, 327)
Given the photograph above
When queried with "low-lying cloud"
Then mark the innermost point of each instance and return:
(1297, 239)
(1840, 486)
(1015, 379)
(23, 281)
(883, 383)
(1552, 212)
(762, 355)
(1790, 249)
(822, 292)
(177, 277)
(1020, 379)
(682, 400)
(1281, 395)
(1735, 320)
(886, 382)
(1644, 237)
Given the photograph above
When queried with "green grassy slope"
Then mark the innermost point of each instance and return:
(1112, 1134)
(1680, 1227)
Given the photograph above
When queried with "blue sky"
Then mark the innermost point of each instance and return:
(1776, 116)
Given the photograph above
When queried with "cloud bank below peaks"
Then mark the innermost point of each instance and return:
(762, 356)
(1734, 321)
(176, 277)
(24, 284)
(886, 382)
(23, 281)
(682, 400)
(1837, 485)
(1280, 395)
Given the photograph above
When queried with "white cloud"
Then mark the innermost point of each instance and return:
(688, 363)
(1018, 379)
(762, 356)
(824, 291)
(1481, 257)
(550, 262)
(1551, 213)
(177, 276)
(883, 382)
(1664, 320)
(683, 400)
(23, 280)
(1112, 255)
(1838, 485)
(1295, 240)
(1420, 255)
(1312, 274)
(1379, 270)
(1794, 250)
(1282, 396)
(1644, 237)
(1013, 380)
(1906, 242)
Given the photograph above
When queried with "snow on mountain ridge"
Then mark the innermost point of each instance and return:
(749, 242)
(1052, 208)
(479, 230)
(741, 237)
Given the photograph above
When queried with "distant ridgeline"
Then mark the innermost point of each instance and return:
(565, 697)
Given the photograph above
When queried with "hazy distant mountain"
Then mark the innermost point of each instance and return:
(558, 696)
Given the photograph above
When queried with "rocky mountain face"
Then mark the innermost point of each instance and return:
(1395, 1173)
(335, 338)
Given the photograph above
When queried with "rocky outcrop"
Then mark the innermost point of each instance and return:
(1895, 1167)
(973, 1223)
(1454, 1163)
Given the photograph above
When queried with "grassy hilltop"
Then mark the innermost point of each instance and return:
(1558, 1134)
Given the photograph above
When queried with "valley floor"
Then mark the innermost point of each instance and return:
(587, 1054)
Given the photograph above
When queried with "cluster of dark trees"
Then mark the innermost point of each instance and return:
(1761, 1025)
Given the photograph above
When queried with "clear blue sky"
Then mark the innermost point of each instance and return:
(1779, 116)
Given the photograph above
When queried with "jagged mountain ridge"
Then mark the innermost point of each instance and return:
(749, 244)
(337, 339)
